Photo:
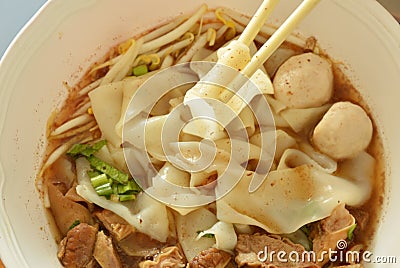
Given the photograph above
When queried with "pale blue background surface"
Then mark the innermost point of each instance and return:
(13, 16)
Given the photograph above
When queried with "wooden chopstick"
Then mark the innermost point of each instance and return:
(279, 36)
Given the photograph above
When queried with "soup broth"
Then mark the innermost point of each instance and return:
(99, 225)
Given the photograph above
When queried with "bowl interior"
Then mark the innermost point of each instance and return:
(68, 36)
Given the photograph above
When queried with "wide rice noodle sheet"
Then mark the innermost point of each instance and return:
(187, 227)
(224, 234)
(109, 104)
(292, 197)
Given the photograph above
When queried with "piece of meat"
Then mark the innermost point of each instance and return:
(73, 195)
(211, 258)
(76, 249)
(117, 226)
(140, 245)
(104, 252)
(66, 211)
(63, 174)
(363, 220)
(256, 251)
(328, 232)
(130, 241)
(93, 264)
(169, 257)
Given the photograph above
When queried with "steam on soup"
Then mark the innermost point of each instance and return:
(323, 186)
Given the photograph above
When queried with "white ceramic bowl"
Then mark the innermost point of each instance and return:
(65, 37)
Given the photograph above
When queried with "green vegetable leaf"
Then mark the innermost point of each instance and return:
(85, 149)
(98, 145)
(109, 170)
(350, 233)
(305, 230)
(206, 235)
(74, 224)
(77, 149)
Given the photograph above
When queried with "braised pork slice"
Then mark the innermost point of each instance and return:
(260, 250)
(104, 252)
(169, 257)
(211, 258)
(93, 264)
(132, 242)
(117, 226)
(76, 249)
(66, 211)
(329, 231)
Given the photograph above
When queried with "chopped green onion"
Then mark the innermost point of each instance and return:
(99, 180)
(114, 197)
(104, 190)
(126, 197)
(107, 181)
(110, 171)
(131, 186)
(123, 188)
(350, 233)
(93, 173)
(140, 70)
(114, 186)
(74, 224)
(134, 186)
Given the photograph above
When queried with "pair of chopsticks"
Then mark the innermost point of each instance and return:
(278, 37)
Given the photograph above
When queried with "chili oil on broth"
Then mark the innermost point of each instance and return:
(368, 214)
